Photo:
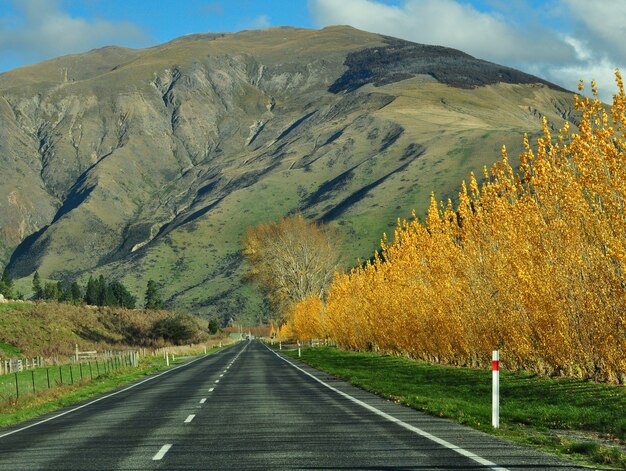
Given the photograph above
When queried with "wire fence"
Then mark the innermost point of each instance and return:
(22, 377)
(19, 384)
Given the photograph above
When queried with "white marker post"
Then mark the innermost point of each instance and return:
(167, 359)
(299, 354)
(280, 345)
(495, 393)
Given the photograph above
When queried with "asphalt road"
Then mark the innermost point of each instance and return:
(246, 407)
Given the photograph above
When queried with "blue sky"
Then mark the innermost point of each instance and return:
(560, 40)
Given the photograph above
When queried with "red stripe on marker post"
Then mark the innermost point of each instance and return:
(495, 389)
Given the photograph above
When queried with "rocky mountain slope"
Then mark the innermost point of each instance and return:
(150, 163)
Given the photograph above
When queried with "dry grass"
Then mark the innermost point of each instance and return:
(51, 329)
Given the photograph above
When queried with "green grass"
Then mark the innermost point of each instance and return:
(33, 405)
(8, 350)
(28, 382)
(564, 416)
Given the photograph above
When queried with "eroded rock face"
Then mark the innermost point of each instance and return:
(150, 163)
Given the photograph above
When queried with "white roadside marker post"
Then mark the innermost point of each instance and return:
(167, 359)
(495, 392)
(299, 354)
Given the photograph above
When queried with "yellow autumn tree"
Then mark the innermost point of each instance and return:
(307, 318)
(291, 259)
(531, 262)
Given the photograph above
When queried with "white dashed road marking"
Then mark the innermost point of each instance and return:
(164, 449)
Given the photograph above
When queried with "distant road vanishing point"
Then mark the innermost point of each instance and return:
(247, 407)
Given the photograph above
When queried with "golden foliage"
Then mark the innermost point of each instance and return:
(286, 331)
(292, 259)
(307, 319)
(531, 263)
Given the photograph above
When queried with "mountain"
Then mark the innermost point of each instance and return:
(150, 163)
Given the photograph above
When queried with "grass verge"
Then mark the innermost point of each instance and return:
(581, 420)
(53, 399)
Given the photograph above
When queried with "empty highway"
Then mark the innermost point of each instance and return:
(247, 407)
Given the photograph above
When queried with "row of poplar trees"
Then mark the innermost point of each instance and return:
(531, 261)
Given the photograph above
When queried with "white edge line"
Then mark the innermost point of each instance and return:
(217, 380)
(161, 453)
(203, 400)
(211, 389)
(418, 431)
(103, 397)
(189, 418)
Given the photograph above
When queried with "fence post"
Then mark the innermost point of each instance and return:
(495, 392)
(17, 387)
(61, 374)
(90, 370)
(80, 367)
(71, 375)
(48, 376)
(32, 373)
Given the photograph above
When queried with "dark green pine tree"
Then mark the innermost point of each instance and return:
(122, 296)
(214, 326)
(109, 297)
(51, 291)
(76, 294)
(64, 293)
(101, 286)
(6, 284)
(37, 288)
(153, 298)
(91, 292)
(64, 297)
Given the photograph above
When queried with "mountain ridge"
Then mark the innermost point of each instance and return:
(150, 163)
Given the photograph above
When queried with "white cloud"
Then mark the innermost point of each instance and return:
(447, 23)
(516, 37)
(44, 31)
(602, 25)
(261, 22)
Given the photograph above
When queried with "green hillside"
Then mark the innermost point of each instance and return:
(150, 164)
